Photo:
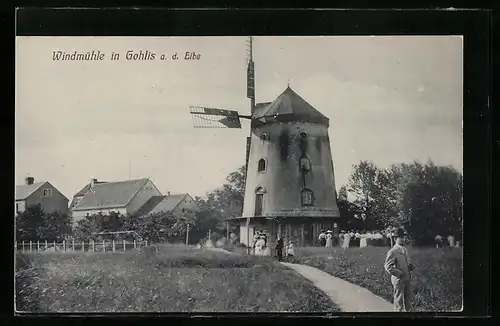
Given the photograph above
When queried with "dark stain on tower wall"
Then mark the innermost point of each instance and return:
(284, 144)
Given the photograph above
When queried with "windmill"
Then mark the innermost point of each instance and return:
(287, 145)
(207, 117)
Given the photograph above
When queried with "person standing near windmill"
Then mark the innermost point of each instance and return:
(399, 266)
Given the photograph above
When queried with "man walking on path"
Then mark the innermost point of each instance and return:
(397, 263)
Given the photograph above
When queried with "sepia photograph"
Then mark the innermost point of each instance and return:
(223, 174)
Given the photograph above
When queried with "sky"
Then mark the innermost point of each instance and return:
(389, 100)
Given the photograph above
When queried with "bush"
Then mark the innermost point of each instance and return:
(27, 290)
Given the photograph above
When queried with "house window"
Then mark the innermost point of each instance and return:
(307, 197)
(262, 165)
(47, 192)
(259, 201)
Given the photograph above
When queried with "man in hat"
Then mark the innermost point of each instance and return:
(397, 264)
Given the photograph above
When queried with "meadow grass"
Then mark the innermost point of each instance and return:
(436, 281)
(166, 279)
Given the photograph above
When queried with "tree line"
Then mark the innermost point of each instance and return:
(425, 199)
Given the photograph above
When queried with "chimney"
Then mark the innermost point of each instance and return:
(30, 180)
(93, 182)
(168, 193)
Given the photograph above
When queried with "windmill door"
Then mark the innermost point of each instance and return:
(259, 198)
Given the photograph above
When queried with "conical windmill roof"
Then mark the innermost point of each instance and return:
(288, 106)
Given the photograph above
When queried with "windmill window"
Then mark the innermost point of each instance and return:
(303, 135)
(264, 136)
(307, 197)
(305, 164)
(262, 165)
(259, 201)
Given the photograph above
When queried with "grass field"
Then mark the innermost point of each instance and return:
(436, 281)
(174, 279)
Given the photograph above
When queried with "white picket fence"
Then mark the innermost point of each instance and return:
(91, 246)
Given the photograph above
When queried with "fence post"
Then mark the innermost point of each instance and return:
(23, 246)
(73, 244)
(135, 245)
(46, 245)
(38, 245)
(54, 246)
(31, 246)
(103, 245)
(146, 243)
(124, 246)
(64, 245)
(15, 244)
(93, 246)
(83, 246)
(113, 245)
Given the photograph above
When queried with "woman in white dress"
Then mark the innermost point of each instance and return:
(363, 240)
(259, 246)
(347, 240)
(266, 251)
(329, 237)
(290, 251)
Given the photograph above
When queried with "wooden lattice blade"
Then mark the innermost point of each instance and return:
(214, 118)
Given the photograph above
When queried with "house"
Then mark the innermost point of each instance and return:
(167, 204)
(124, 197)
(43, 194)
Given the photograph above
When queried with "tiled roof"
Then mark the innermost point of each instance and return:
(110, 194)
(24, 191)
(149, 205)
(160, 204)
(86, 189)
(168, 203)
(289, 105)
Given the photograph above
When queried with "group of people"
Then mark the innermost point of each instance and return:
(450, 241)
(261, 247)
(348, 239)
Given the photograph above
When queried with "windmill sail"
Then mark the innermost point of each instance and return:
(214, 118)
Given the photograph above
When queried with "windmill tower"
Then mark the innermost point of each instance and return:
(290, 182)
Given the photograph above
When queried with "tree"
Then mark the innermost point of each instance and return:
(28, 222)
(432, 201)
(366, 184)
(99, 222)
(35, 225)
(55, 227)
(347, 209)
(163, 226)
(220, 204)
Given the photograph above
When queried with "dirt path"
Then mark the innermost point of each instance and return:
(349, 297)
